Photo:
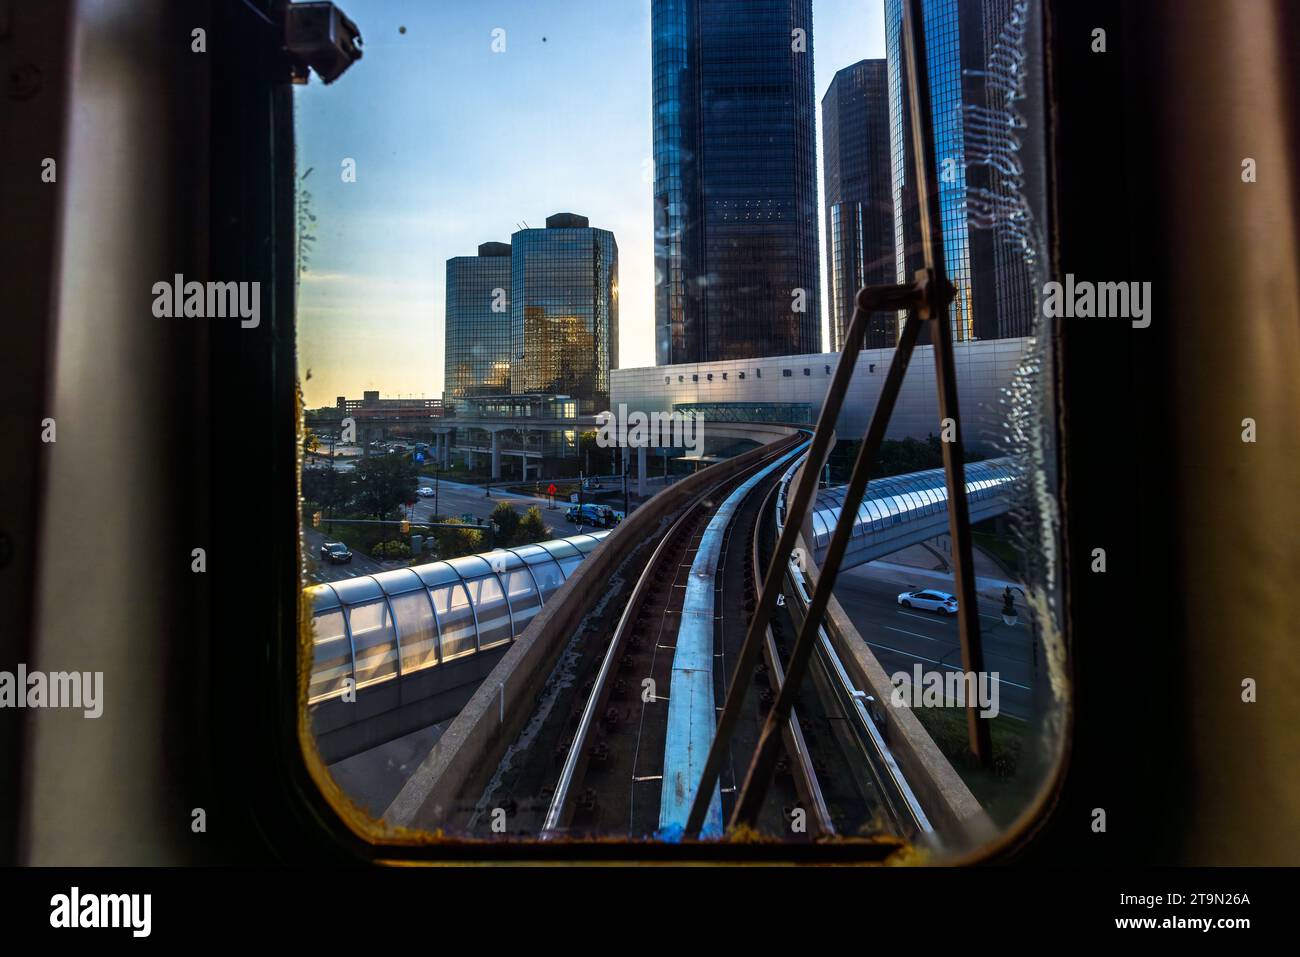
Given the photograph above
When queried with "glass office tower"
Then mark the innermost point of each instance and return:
(735, 191)
(564, 311)
(859, 196)
(979, 160)
(477, 354)
(949, 48)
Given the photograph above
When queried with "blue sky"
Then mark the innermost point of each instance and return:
(456, 145)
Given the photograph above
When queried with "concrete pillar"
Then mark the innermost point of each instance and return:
(496, 455)
(640, 471)
(471, 460)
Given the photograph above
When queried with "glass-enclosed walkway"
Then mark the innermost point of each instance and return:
(374, 628)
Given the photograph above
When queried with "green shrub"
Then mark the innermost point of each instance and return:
(391, 549)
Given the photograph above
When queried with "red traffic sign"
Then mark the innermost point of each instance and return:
(551, 489)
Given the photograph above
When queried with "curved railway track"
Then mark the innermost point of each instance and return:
(609, 736)
(612, 778)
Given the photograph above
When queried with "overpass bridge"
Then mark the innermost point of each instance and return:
(902, 510)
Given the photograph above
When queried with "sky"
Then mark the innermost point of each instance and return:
(454, 145)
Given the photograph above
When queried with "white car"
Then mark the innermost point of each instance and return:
(929, 600)
(424, 491)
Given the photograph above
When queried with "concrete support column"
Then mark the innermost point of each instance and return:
(471, 460)
(640, 471)
(496, 455)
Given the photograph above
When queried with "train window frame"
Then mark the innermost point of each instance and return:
(385, 844)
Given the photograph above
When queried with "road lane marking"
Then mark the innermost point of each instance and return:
(913, 634)
(922, 617)
(941, 664)
(947, 618)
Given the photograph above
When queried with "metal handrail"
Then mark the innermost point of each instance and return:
(886, 773)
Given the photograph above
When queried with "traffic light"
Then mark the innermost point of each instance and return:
(315, 519)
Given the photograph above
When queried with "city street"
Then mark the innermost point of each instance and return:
(458, 498)
(319, 571)
(902, 638)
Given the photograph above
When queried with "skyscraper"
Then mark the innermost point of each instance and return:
(735, 190)
(859, 195)
(950, 47)
(477, 355)
(564, 311)
(974, 151)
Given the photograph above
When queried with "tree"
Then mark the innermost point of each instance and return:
(305, 220)
(507, 522)
(384, 482)
(455, 542)
(324, 487)
(310, 441)
(532, 528)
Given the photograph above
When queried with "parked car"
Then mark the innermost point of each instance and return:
(336, 553)
(592, 514)
(424, 491)
(929, 600)
(591, 484)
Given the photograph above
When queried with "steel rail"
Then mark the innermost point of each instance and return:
(765, 755)
(888, 777)
(560, 798)
(796, 746)
(870, 299)
(934, 293)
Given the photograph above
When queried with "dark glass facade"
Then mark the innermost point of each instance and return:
(477, 354)
(1012, 184)
(947, 54)
(976, 159)
(859, 195)
(735, 189)
(564, 311)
